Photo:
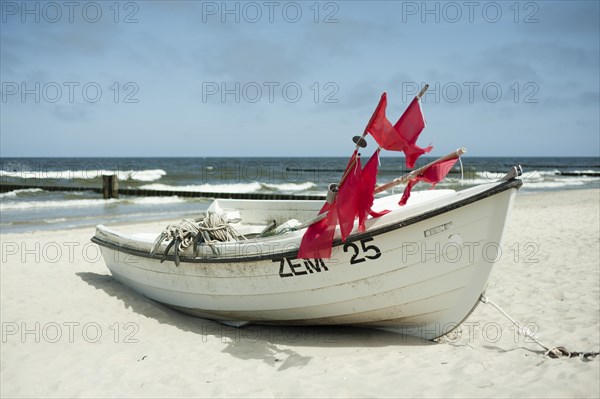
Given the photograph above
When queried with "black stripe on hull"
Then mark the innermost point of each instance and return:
(497, 189)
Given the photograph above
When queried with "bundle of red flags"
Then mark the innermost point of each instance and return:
(356, 190)
(354, 200)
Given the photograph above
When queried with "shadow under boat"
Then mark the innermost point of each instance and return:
(237, 337)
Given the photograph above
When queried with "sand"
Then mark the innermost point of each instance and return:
(70, 330)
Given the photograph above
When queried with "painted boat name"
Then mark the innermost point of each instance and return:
(287, 267)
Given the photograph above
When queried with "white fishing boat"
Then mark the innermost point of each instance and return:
(419, 270)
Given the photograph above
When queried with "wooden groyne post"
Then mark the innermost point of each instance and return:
(110, 186)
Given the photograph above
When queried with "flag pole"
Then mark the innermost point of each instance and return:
(423, 90)
(333, 188)
(409, 176)
(397, 181)
(360, 142)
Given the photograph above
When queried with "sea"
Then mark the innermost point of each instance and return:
(35, 208)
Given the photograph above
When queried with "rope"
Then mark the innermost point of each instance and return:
(210, 229)
(462, 175)
(553, 353)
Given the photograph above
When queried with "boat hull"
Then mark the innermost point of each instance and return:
(418, 272)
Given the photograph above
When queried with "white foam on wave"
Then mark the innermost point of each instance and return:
(532, 180)
(529, 176)
(85, 203)
(139, 175)
(290, 186)
(207, 188)
(157, 200)
(490, 177)
(143, 175)
(250, 187)
(5, 206)
(555, 184)
(55, 220)
(16, 193)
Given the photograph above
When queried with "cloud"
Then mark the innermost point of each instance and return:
(248, 59)
(171, 52)
(71, 113)
(550, 66)
(342, 38)
(589, 98)
(560, 18)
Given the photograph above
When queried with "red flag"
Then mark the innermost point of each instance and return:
(369, 179)
(348, 197)
(409, 126)
(318, 238)
(412, 122)
(382, 129)
(406, 194)
(402, 136)
(433, 175)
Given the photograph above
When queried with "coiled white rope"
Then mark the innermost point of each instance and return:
(210, 229)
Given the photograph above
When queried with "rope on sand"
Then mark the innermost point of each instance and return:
(553, 353)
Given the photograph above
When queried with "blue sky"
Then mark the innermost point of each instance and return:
(274, 78)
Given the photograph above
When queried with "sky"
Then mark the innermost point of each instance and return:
(275, 78)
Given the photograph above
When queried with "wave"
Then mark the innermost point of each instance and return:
(534, 174)
(233, 187)
(532, 179)
(86, 203)
(290, 186)
(156, 200)
(5, 206)
(489, 176)
(210, 188)
(16, 193)
(555, 184)
(139, 175)
(529, 176)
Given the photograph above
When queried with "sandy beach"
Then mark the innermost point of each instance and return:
(70, 330)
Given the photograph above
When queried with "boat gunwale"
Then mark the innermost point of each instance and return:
(496, 189)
